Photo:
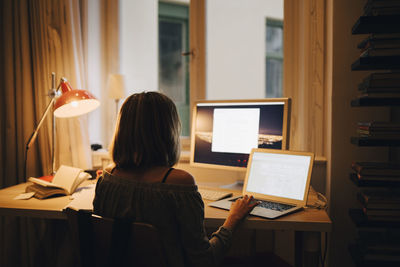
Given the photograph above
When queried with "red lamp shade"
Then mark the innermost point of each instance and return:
(74, 102)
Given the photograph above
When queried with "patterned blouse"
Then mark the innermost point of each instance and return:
(177, 211)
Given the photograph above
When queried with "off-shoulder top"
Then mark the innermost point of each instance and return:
(177, 211)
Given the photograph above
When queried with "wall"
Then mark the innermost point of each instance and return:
(94, 67)
(236, 47)
(139, 44)
(343, 87)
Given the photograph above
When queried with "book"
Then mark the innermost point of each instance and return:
(378, 89)
(381, 52)
(383, 200)
(381, 7)
(381, 3)
(381, 95)
(384, 80)
(375, 180)
(376, 42)
(379, 126)
(382, 11)
(384, 35)
(376, 168)
(65, 182)
(385, 214)
(387, 135)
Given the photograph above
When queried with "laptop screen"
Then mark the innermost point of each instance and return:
(279, 175)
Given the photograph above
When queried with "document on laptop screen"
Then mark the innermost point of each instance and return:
(279, 175)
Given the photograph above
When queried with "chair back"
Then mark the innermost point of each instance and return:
(102, 242)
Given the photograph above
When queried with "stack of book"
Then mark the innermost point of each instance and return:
(380, 45)
(376, 173)
(378, 245)
(379, 89)
(380, 205)
(379, 130)
(382, 7)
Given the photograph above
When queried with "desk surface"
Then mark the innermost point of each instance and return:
(305, 220)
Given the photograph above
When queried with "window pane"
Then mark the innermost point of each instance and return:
(172, 79)
(274, 77)
(173, 67)
(274, 58)
(274, 40)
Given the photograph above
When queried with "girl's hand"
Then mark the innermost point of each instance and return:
(239, 210)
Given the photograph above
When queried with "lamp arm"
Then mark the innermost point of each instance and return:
(34, 134)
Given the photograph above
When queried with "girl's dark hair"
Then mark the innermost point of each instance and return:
(147, 132)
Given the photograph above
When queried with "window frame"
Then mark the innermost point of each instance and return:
(303, 66)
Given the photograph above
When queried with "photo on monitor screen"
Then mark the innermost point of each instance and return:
(224, 132)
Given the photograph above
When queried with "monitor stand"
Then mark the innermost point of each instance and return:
(238, 185)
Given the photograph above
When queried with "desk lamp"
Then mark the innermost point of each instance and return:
(66, 104)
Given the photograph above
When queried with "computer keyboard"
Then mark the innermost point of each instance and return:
(214, 195)
(274, 205)
(271, 205)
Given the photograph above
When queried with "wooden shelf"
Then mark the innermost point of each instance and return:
(369, 141)
(360, 220)
(372, 183)
(389, 27)
(376, 63)
(377, 24)
(375, 101)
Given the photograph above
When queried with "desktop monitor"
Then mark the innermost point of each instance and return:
(225, 131)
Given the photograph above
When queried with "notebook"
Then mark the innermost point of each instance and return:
(278, 176)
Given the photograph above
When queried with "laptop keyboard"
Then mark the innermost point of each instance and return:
(271, 205)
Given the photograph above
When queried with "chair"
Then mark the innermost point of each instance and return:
(104, 242)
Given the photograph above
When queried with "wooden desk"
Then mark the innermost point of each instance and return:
(307, 224)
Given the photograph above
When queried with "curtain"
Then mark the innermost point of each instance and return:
(40, 37)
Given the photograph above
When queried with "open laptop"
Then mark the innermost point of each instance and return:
(278, 176)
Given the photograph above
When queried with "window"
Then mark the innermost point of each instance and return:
(173, 74)
(274, 58)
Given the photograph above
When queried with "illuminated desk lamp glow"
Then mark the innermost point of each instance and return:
(71, 103)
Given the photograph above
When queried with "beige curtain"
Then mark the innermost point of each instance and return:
(40, 37)
(58, 47)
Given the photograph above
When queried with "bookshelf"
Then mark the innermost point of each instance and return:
(377, 219)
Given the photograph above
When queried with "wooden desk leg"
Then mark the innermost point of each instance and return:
(307, 249)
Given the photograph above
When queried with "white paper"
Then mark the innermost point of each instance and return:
(83, 198)
(25, 196)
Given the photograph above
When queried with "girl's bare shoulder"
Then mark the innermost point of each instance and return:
(178, 176)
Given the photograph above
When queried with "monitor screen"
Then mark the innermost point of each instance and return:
(225, 131)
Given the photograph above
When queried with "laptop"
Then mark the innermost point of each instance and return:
(278, 178)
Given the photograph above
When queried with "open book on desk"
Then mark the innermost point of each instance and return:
(65, 182)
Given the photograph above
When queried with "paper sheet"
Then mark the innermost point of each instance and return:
(83, 198)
